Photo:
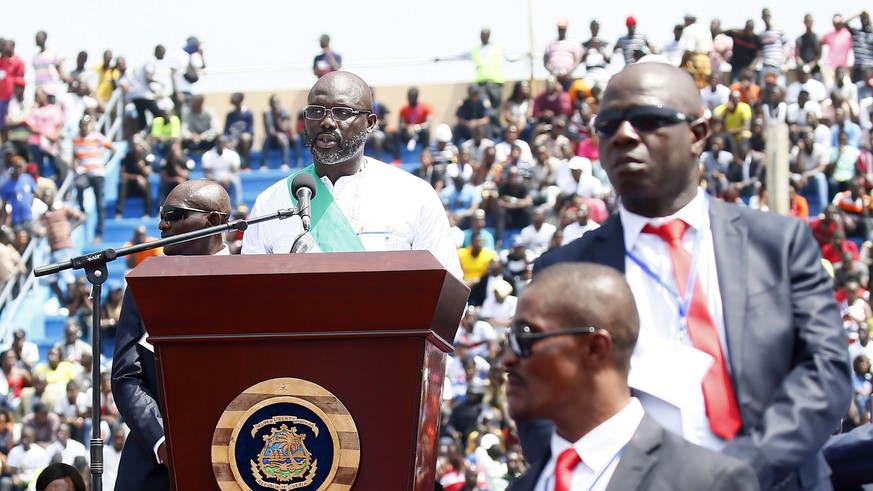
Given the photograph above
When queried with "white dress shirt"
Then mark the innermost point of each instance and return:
(389, 209)
(666, 370)
(574, 230)
(600, 451)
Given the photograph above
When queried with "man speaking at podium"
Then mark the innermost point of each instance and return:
(359, 203)
(192, 205)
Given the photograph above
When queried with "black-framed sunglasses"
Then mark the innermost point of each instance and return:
(521, 339)
(642, 118)
(339, 113)
(172, 213)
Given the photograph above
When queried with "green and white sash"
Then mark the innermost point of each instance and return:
(330, 229)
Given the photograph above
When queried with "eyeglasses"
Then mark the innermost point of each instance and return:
(171, 213)
(521, 339)
(642, 118)
(339, 113)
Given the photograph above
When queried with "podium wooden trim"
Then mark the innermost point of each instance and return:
(372, 328)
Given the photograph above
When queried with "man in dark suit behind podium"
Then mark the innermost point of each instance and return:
(192, 205)
(773, 379)
(576, 376)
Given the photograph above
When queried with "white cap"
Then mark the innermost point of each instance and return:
(443, 133)
(579, 163)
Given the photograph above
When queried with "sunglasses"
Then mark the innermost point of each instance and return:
(171, 213)
(644, 119)
(339, 113)
(521, 339)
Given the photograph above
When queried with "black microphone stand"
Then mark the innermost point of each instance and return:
(94, 265)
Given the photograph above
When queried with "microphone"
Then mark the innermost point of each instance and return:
(303, 243)
(303, 188)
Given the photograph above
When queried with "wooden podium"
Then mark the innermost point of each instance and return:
(373, 329)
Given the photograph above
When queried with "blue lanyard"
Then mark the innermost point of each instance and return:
(683, 302)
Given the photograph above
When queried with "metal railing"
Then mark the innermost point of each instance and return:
(111, 123)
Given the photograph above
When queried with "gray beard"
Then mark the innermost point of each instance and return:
(344, 150)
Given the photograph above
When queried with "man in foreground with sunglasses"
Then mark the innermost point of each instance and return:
(576, 377)
(741, 347)
(192, 205)
(359, 204)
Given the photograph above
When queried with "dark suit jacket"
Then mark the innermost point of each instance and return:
(656, 459)
(848, 455)
(135, 387)
(789, 363)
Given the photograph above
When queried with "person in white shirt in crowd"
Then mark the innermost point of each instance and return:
(697, 42)
(65, 449)
(807, 163)
(222, 165)
(578, 228)
(537, 235)
(511, 137)
(821, 132)
(577, 177)
(26, 352)
(186, 67)
(674, 50)
(25, 458)
(76, 103)
(816, 89)
(479, 334)
(796, 114)
(716, 93)
(498, 311)
(112, 456)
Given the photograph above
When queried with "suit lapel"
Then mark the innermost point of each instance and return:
(609, 244)
(528, 480)
(638, 458)
(730, 240)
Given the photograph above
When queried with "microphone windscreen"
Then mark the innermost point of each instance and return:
(303, 180)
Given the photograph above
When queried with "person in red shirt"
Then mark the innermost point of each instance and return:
(824, 226)
(11, 68)
(833, 250)
(413, 128)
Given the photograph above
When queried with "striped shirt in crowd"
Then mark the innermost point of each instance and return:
(631, 44)
(862, 46)
(773, 52)
(88, 151)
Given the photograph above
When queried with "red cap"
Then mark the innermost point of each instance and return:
(631, 21)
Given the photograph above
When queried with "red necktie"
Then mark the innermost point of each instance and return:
(718, 391)
(567, 461)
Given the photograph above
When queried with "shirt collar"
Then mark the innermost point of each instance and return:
(602, 444)
(692, 214)
(225, 251)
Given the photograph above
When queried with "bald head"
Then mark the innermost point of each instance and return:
(204, 194)
(587, 294)
(345, 88)
(670, 85)
(652, 159)
(205, 204)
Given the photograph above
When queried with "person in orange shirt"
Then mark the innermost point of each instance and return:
(748, 89)
(799, 205)
(140, 235)
(90, 168)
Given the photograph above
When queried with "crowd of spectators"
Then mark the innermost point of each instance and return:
(518, 175)
(535, 182)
